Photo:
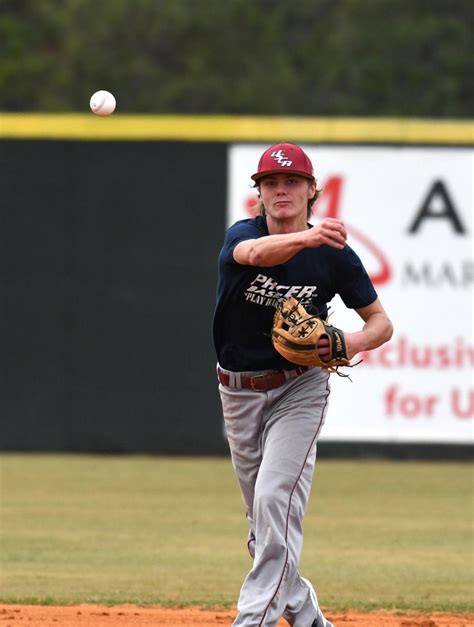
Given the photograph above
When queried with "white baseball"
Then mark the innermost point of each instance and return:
(102, 103)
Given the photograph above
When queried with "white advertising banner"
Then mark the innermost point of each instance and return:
(409, 216)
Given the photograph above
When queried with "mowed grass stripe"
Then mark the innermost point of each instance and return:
(114, 529)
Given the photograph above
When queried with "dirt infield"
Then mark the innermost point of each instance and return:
(133, 616)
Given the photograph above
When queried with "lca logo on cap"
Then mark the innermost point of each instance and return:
(280, 157)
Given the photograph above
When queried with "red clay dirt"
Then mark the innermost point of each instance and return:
(134, 616)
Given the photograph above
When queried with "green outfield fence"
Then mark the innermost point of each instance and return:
(110, 233)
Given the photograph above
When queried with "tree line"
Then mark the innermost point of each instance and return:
(245, 57)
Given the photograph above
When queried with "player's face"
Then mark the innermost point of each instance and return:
(285, 196)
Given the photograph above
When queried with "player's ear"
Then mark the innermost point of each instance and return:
(312, 188)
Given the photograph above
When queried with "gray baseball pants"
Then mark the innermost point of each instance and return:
(272, 437)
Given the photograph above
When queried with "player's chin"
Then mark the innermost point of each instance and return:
(284, 210)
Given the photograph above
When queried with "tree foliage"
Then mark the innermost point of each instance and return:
(272, 57)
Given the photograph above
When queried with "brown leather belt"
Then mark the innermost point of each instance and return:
(260, 382)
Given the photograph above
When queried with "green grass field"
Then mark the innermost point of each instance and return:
(172, 531)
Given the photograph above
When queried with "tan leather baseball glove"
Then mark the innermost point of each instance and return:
(295, 335)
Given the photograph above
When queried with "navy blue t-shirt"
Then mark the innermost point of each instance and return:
(248, 295)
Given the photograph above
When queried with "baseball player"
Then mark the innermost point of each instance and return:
(274, 409)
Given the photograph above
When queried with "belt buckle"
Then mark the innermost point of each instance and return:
(258, 376)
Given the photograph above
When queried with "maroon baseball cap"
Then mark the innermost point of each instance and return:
(284, 158)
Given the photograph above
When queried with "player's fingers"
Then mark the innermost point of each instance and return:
(339, 233)
(335, 242)
(335, 225)
(323, 347)
(335, 234)
(335, 222)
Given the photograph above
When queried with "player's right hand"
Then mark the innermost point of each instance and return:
(329, 231)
